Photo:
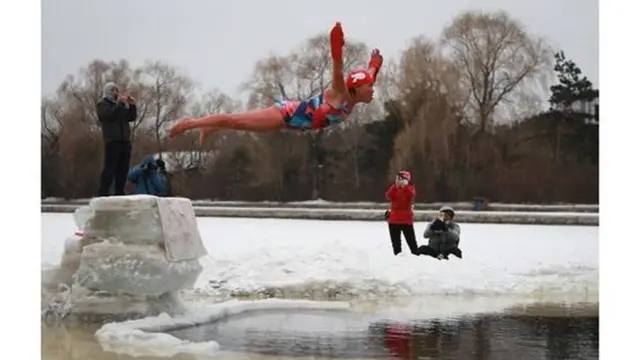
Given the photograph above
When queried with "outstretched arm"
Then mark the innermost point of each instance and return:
(337, 43)
(375, 63)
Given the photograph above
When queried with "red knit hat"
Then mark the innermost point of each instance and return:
(405, 175)
(357, 78)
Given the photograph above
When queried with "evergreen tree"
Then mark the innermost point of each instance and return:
(575, 111)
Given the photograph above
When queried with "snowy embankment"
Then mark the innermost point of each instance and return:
(510, 213)
(323, 204)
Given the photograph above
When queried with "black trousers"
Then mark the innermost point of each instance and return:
(115, 167)
(427, 250)
(396, 231)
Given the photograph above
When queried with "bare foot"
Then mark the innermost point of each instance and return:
(181, 126)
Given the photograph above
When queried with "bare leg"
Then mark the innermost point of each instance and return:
(261, 120)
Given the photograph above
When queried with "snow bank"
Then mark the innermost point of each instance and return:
(353, 260)
(485, 217)
(146, 337)
(320, 203)
(508, 214)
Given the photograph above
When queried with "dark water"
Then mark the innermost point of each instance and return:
(348, 335)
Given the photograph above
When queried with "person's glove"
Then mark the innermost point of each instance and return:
(337, 42)
(438, 225)
(375, 62)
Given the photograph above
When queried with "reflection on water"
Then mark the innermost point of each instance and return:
(502, 336)
(530, 334)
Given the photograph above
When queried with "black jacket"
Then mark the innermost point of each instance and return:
(114, 119)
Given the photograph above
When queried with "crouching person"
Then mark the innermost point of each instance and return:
(146, 178)
(444, 236)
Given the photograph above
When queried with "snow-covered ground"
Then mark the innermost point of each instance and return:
(503, 265)
(321, 259)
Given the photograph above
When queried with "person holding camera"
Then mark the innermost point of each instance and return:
(444, 236)
(400, 217)
(115, 112)
(146, 178)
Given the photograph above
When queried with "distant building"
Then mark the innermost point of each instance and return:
(591, 108)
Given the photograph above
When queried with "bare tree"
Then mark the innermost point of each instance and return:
(271, 80)
(51, 120)
(215, 101)
(212, 102)
(495, 55)
(353, 139)
(301, 74)
(165, 95)
(431, 100)
(85, 90)
(427, 84)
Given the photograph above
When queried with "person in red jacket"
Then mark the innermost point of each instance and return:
(401, 194)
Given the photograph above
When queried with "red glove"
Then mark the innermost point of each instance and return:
(375, 62)
(337, 42)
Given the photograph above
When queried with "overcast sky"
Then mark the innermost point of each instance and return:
(218, 42)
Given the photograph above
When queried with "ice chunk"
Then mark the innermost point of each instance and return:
(147, 337)
(63, 274)
(134, 270)
(148, 220)
(130, 219)
(180, 229)
(70, 259)
(133, 256)
(81, 215)
(97, 306)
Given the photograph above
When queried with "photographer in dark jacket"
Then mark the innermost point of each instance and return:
(444, 236)
(150, 177)
(115, 112)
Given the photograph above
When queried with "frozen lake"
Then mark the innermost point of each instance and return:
(504, 266)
